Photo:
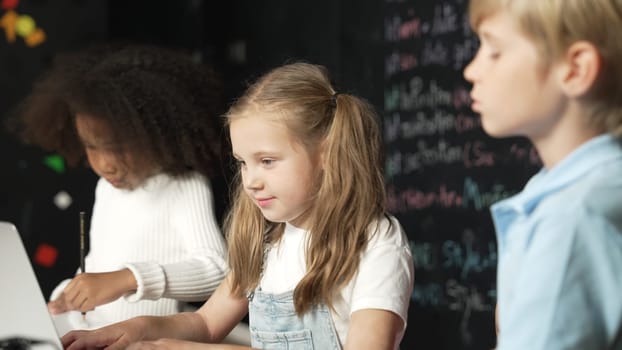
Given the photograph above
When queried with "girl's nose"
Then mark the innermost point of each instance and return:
(252, 181)
(104, 164)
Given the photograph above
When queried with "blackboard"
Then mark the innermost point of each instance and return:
(443, 173)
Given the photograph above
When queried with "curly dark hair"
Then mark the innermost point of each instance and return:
(158, 100)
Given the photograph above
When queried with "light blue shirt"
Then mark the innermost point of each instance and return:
(559, 278)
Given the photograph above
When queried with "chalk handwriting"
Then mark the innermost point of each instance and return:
(445, 19)
(400, 200)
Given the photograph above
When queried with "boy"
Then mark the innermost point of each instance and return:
(550, 70)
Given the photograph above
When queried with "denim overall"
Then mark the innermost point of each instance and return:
(275, 325)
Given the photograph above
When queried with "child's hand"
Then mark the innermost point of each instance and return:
(88, 290)
(116, 336)
(168, 344)
(58, 305)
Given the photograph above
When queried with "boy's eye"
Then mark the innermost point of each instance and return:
(267, 161)
(491, 51)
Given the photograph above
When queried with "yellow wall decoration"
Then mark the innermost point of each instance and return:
(24, 26)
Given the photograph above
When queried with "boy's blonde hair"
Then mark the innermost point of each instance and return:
(554, 25)
(349, 195)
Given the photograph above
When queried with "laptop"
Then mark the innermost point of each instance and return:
(24, 317)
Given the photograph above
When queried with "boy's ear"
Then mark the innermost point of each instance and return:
(582, 65)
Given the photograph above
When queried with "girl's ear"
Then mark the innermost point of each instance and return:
(581, 67)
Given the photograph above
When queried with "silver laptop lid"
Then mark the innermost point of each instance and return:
(23, 311)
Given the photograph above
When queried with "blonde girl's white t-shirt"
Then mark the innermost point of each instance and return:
(383, 281)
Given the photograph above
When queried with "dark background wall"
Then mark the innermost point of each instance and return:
(37, 192)
(404, 56)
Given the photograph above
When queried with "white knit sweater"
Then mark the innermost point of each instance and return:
(166, 233)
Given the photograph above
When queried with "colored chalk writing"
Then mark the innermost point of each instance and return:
(443, 173)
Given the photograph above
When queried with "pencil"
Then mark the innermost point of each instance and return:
(82, 265)
(82, 242)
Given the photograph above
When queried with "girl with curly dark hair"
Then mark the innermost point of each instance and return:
(147, 121)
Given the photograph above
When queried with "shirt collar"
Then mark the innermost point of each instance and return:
(293, 230)
(591, 154)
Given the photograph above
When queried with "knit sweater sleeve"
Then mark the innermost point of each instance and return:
(203, 267)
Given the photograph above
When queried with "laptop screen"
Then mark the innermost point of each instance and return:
(23, 310)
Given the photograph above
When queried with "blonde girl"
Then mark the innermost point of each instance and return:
(314, 258)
